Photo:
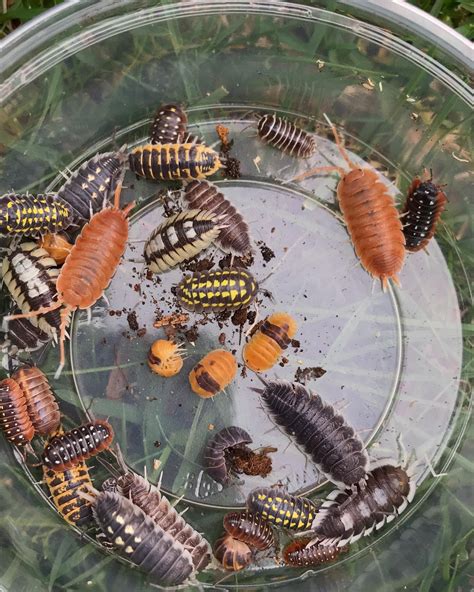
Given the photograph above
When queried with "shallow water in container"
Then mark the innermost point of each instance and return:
(392, 360)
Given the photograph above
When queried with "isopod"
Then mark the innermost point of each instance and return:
(423, 208)
(268, 343)
(226, 289)
(14, 419)
(174, 161)
(216, 459)
(371, 217)
(21, 335)
(68, 449)
(213, 373)
(234, 235)
(43, 408)
(298, 554)
(286, 136)
(321, 432)
(57, 246)
(232, 554)
(169, 125)
(137, 538)
(348, 515)
(179, 238)
(277, 506)
(249, 528)
(164, 358)
(33, 214)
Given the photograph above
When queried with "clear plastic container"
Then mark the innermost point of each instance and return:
(87, 77)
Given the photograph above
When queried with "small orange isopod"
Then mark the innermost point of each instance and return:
(57, 246)
(213, 373)
(266, 346)
(164, 357)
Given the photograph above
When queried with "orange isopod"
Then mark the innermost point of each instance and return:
(371, 217)
(57, 246)
(268, 343)
(164, 357)
(213, 373)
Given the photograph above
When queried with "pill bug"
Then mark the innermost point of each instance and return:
(249, 528)
(64, 487)
(30, 276)
(165, 357)
(371, 217)
(286, 136)
(268, 343)
(227, 289)
(137, 538)
(213, 373)
(90, 187)
(57, 246)
(421, 213)
(89, 267)
(169, 125)
(348, 515)
(174, 161)
(298, 554)
(155, 505)
(21, 335)
(43, 408)
(179, 238)
(234, 236)
(321, 432)
(278, 507)
(14, 419)
(232, 554)
(215, 457)
(68, 449)
(25, 214)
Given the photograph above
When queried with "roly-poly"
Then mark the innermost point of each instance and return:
(232, 554)
(286, 136)
(169, 125)
(14, 419)
(215, 462)
(350, 514)
(249, 528)
(179, 238)
(213, 373)
(27, 214)
(164, 358)
(281, 509)
(371, 217)
(68, 449)
(174, 161)
(423, 207)
(298, 554)
(234, 236)
(322, 433)
(43, 408)
(268, 343)
(227, 289)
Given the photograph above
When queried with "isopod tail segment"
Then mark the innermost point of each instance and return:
(60, 302)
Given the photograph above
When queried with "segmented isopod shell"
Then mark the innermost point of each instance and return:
(30, 276)
(284, 135)
(213, 373)
(57, 246)
(68, 449)
(268, 343)
(320, 431)
(348, 515)
(232, 554)
(276, 505)
(43, 408)
(137, 538)
(93, 184)
(423, 208)
(298, 554)
(174, 161)
(29, 215)
(14, 418)
(249, 528)
(215, 452)
(21, 335)
(227, 289)
(179, 238)
(169, 125)
(234, 236)
(164, 358)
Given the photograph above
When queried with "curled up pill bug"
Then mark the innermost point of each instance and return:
(165, 357)
(217, 461)
(286, 136)
(232, 554)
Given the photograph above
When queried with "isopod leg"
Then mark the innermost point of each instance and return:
(62, 338)
(317, 170)
(339, 143)
(35, 313)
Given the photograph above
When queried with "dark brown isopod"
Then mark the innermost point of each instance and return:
(249, 528)
(298, 554)
(215, 460)
(286, 136)
(169, 125)
(14, 418)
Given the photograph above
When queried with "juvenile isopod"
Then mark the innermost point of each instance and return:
(249, 528)
(213, 373)
(165, 358)
(286, 136)
(298, 554)
(232, 554)
(268, 343)
(169, 125)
